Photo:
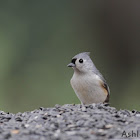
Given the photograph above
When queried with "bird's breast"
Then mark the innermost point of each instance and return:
(88, 89)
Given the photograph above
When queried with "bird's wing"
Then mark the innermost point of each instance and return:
(103, 83)
(105, 87)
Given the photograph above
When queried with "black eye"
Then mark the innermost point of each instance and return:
(81, 60)
(73, 60)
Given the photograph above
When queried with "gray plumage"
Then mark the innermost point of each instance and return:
(87, 82)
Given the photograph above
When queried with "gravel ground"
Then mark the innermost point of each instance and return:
(70, 122)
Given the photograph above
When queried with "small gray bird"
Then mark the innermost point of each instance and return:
(87, 82)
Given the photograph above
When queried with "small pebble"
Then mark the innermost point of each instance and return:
(70, 121)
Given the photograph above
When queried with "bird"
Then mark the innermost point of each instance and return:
(87, 82)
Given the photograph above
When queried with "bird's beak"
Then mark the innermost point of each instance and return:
(71, 65)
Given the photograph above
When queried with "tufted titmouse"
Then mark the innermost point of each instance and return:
(87, 82)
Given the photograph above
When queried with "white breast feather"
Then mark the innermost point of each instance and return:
(88, 88)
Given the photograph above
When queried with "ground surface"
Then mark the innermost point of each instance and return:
(70, 122)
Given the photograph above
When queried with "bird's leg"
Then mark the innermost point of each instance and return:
(83, 106)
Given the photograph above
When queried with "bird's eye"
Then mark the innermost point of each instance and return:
(81, 60)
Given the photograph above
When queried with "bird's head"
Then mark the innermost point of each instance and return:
(81, 62)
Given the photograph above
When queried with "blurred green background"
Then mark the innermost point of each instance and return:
(39, 38)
